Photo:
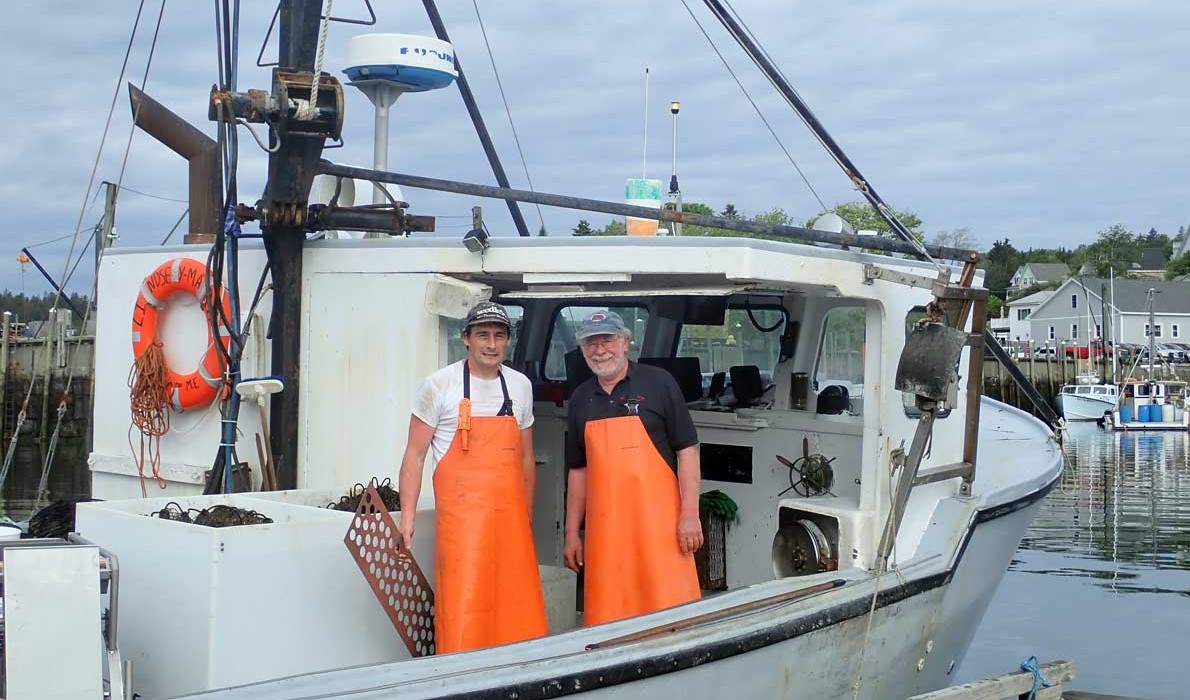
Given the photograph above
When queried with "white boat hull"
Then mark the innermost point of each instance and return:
(805, 650)
(1079, 407)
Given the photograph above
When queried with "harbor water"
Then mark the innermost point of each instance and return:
(1101, 578)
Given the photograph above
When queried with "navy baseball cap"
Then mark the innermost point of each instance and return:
(600, 323)
(487, 312)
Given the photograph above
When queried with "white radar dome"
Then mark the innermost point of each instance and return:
(413, 63)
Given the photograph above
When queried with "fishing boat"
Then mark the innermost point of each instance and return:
(1149, 404)
(1089, 398)
(880, 499)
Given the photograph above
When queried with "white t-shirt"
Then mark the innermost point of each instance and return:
(437, 401)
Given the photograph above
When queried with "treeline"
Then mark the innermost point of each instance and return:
(36, 308)
(1114, 248)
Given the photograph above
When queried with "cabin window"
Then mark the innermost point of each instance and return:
(566, 322)
(1100, 390)
(1074, 301)
(841, 354)
(1083, 390)
(1023, 314)
(455, 350)
(748, 336)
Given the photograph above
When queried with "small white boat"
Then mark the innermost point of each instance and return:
(1087, 399)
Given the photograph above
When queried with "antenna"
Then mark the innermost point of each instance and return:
(644, 158)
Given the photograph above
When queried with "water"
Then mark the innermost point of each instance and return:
(1102, 577)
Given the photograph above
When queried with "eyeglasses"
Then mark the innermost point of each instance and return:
(601, 340)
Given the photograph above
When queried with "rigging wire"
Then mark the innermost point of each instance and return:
(67, 267)
(103, 139)
(755, 106)
(176, 225)
(144, 81)
(125, 188)
(742, 36)
(507, 110)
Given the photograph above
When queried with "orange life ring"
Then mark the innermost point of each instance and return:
(178, 276)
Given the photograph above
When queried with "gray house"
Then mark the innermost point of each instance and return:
(1075, 311)
(1020, 311)
(1030, 274)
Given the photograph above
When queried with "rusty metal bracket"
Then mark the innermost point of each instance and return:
(394, 576)
(875, 272)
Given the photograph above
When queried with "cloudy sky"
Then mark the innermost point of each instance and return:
(1042, 122)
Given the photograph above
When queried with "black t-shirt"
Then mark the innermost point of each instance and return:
(659, 403)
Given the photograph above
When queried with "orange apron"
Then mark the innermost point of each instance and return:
(489, 588)
(633, 562)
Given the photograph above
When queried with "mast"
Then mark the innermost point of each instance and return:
(1152, 329)
(287, 192)
(1115, 328)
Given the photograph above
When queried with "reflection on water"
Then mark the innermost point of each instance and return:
(68, 476)
(1103, 575)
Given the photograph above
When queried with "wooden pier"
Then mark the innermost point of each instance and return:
(1022, 685)
(38, 369)
(1049, 375)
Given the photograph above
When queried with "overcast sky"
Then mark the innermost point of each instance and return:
(1042, 122)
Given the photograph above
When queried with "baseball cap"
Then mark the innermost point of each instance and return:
(600, 323)
(487, 312)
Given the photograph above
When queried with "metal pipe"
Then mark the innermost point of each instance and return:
(481, 129)
(908, 472)
(57, 288)
(199, 150)
(553, 200)
(997, 351)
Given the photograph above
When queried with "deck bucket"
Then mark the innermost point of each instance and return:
(1125, 413)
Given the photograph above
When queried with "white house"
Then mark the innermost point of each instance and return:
(1077, 309)
(1030, 274)
(1019, 312)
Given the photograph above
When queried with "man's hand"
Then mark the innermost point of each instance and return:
(406, 527)
(572, 553)
(689, 533)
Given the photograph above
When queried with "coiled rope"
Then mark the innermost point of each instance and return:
(149, 394)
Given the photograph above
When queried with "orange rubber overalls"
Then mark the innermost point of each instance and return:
(489, 588)
(633, 563)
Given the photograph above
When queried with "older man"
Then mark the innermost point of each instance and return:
(632, 453)
(478, 417)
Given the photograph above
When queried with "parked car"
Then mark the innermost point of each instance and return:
(1082, 351)
(1170, 352)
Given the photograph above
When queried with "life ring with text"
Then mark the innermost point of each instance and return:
(182, 276)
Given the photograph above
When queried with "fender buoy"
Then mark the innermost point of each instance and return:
(182, 276)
